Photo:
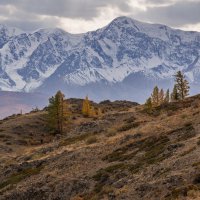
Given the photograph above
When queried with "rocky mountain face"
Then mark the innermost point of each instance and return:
(106, 63)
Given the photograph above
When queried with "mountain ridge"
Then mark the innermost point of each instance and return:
(109, 55)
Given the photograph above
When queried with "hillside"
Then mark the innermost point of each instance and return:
(126, 54)
(125, 154)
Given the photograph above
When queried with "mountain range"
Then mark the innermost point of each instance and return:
(122, 60)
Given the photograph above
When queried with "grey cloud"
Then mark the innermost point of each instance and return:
(31, 24)
(26, 13)
(85, 9)
(26, 21)
(4, 11)
(157, 1)
(177, 14)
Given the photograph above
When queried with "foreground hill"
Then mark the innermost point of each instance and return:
(105, 63)
(125, 154)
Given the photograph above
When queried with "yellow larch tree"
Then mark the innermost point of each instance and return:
(86, 107)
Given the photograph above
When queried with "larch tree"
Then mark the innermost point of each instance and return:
(65, 113)
(148, 105)
(182, 85)
(161, 96)
(155, 96)
(175, 95)
(57, 112)
(167, 97)
(52, 113)
(86, 107)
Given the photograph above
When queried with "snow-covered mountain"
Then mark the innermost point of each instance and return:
(125, 59)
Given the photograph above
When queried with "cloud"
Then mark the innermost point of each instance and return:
(32, 25)
(34, 14)
(13, 17)
(86, 9)
(177, 14)
(83, 15)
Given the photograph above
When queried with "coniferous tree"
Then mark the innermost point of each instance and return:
(155, 97)
(182, 85)
(167, 97)
(175, 95)
(52, 113)
(86, 107)
(66, 113)
(161, 97)
(57, 112)
(148, 105)
(60, 97)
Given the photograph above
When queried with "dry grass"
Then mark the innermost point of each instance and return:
(162, 160)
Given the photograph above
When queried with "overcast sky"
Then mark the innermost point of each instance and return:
(77, 16)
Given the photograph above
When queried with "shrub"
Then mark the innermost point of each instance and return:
(111, 132)
(129, 126)
(91, 140)
(183, 116)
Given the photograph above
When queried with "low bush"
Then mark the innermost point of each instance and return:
(91, 140)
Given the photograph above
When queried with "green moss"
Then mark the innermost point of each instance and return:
(15, 178)
(37, 156)
(125, 152)
(135, 168)
(103, 176)
(153, 147)
(183, 133)
(154, 151)
(109, 170)
(115, 167)
(130, 120)
(99, 192)
(117, 155)
(111, 133)
(129, 126)
(76, 139)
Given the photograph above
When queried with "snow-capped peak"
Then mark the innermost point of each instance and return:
(112, 54)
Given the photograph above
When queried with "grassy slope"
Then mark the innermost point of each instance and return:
(126, 154)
